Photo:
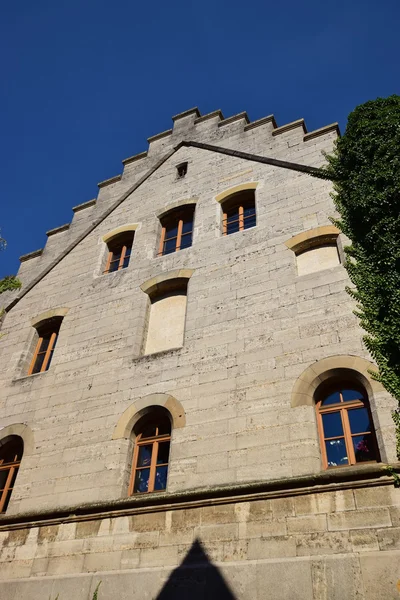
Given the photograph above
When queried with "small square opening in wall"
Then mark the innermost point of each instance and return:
(181, 170)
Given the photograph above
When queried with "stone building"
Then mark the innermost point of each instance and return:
(186, 405)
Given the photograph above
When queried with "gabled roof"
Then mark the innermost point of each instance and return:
(314, 171)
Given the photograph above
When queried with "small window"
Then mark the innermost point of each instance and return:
(119, 252)
(177, 230)
(239, 212)
(345, 426)
(11, 450)
(151, 453)
(48, 335)
(181, 170)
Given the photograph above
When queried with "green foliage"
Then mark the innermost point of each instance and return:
(394, 474)
(365, 168)
(95, 595)
(3, 243)
(9, 282)
(96, 591)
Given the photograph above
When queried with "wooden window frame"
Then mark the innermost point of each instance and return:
(175, 217)
(124, 243)
(343, 408)
(13, 468)
(154, 441)
(239, 204)
(45, 329)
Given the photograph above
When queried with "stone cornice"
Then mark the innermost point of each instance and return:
(84, 205)
(289, 126)
(259, 122)
(361, 476)
(322, 131)
(211, 115)
(30, 255)
(186, 113)
(134, 158)
(59, 229)
(159, 136)
(109, 181)
(238, 117)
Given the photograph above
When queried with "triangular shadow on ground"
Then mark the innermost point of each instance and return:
(196, 578)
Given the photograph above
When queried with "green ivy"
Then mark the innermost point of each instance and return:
(95, 595)
(365, 169)
(9, 282)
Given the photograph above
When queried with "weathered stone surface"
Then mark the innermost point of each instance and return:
(260, 331)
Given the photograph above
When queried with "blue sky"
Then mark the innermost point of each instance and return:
(85, 82)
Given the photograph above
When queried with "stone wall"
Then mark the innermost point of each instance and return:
(336, 544)
(254, 328)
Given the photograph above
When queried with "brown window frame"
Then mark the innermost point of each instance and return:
(121, 243)
(176, 218)
(343, 408)
(50, 330)
(12, 468)
(154, 441)
(239, 201)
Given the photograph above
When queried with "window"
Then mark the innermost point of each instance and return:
(119, 252)
(181, 170)
(151, 453)
(239, 212)
(177, 230)
(345, 426)
(167, 314)
(11, 450)
(48, 334)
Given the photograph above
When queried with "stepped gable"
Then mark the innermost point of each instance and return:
(262, 138)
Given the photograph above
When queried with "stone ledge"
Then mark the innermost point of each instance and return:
(211, 115)
(84, 205)
(59, 229)
(238, 117)
(322, 131)
(134, 158)
(159, 136)
(259, 122)
(31, 377)
(157, 355)
(30, 255)
(289, 126)
(362, 476)
(186, 113)
(109, 181)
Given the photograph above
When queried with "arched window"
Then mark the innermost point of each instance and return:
(345, 425)
(177, 229)
(11, 449)
(119, 251)
(239, 212)
(151, 453)
(43, 354)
